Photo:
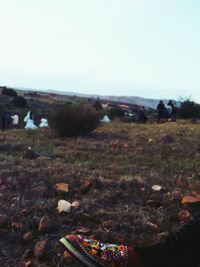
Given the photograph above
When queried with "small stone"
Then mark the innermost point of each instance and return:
(88, 183)
(17, 225)
(162, 236)
(40, 190)
(190, 199)
(108, 182)
(64, 206)
(27, 254)
(184, 215)
(45, 224)
(75, 204)
(83, 230)
(27, 263)
(27, 237)
(156, 187)
(67, 258)
(29, 154)
(62, 187)
(39, 249)
(152, 226)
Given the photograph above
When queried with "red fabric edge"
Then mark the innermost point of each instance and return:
(133, 258)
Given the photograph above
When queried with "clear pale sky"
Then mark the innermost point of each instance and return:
(148, 48)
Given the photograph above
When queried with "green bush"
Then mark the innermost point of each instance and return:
(189, 109)
(19, 102)
(9, 92)
(74, 120)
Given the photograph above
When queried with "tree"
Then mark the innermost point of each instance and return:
(19, 101)
(189, 109)
(9, 92)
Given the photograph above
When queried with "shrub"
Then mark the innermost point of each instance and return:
(19, 101)
(115, 112)
(189, 109)
(9, 92)
(77, 119)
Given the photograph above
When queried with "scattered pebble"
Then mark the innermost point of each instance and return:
(64, 206)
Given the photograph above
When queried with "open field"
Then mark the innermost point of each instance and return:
(110, 172)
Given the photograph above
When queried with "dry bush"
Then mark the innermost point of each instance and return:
(74, 120)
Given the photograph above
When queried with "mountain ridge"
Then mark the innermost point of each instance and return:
(134, 100)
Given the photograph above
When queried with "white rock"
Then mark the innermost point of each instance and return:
(75, 204)
(156, 187)
(64, 206)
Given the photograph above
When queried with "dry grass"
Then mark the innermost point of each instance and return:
(133, 156)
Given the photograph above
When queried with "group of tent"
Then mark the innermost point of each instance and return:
(29, 120)
(44, 122)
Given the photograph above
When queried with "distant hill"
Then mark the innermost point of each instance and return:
(133, 100)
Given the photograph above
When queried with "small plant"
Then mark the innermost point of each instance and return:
(19, 102)
(74, 120)
(9, 92)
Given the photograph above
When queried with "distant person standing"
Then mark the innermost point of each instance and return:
(3, 121)
(141, 115)
(15, 120)
(172, 109)
(6, 121)
(97, 105)
(161, 110)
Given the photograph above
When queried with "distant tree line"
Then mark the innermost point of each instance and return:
(189, 109)
(17, 101)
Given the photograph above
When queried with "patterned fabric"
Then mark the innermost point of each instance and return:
(95, 252)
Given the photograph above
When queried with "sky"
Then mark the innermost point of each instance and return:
(148, 48)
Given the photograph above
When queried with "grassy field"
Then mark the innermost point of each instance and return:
(110, 172)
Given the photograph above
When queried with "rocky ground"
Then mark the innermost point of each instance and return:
(123, 183)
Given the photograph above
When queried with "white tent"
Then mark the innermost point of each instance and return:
(30, 125)
(15, 119)
(27, 117)
(44, 123)
(105, 119)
